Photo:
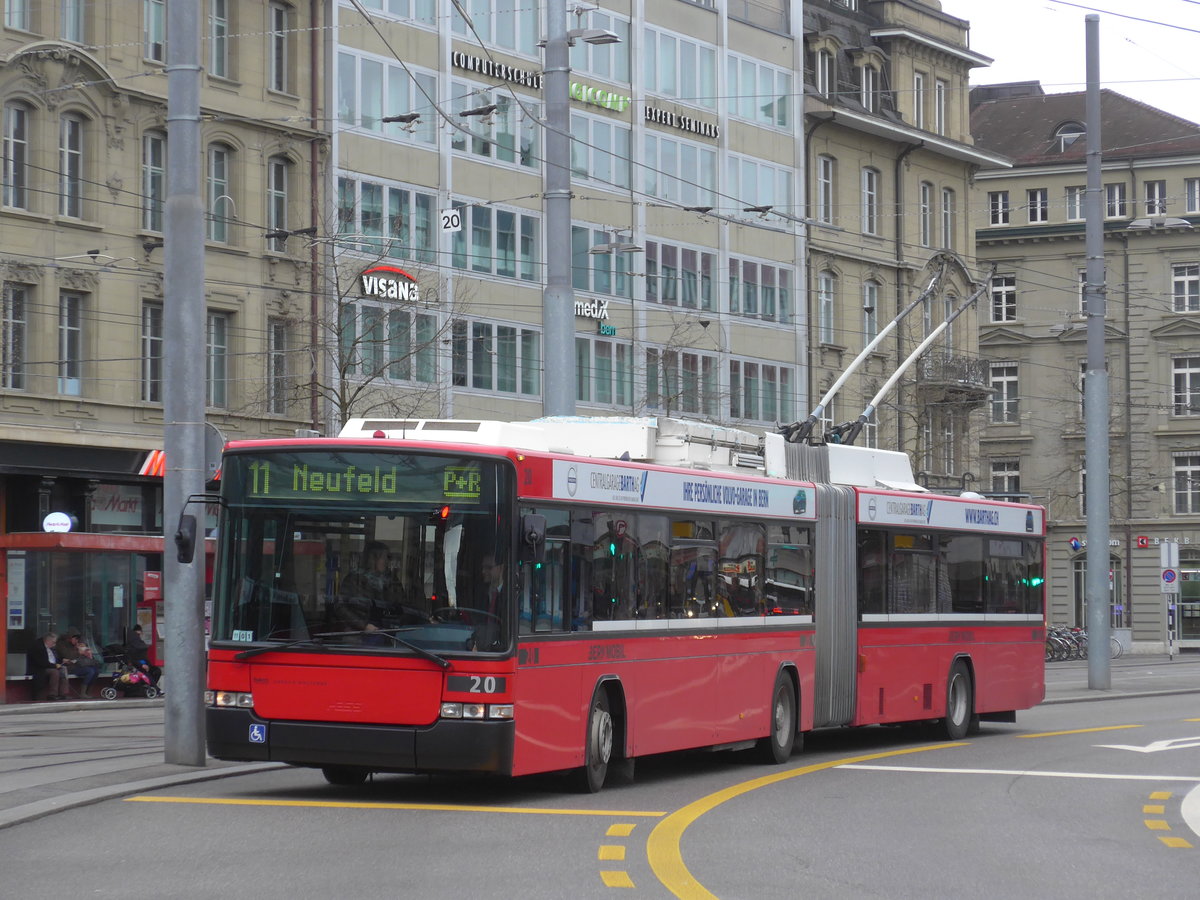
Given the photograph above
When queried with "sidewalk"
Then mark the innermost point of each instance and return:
(56, 756)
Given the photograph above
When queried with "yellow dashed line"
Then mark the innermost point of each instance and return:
(1175, 842)
(617, 879)
(1078, 731)
(1161, 795)
(1157, 824)
(1151, 809)
(620, 830)
(611, 851)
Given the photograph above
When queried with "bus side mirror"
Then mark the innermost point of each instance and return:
(533, 538)
(185, 539)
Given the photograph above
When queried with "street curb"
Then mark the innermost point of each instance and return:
(17, 709)
(1110, 695)
(30, 811)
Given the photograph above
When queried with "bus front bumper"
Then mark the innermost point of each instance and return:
(449, 745)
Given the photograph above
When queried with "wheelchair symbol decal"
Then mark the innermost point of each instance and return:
(258, 734)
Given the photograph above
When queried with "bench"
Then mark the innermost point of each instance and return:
(19, 688)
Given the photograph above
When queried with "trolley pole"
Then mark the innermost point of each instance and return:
(1095, 393)
(183, 387)
(558, 309)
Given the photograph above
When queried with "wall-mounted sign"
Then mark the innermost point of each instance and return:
(683, 123)
(591, 309)
(599, 97)
(56, 522)
(117, 505)
(494, 69)
(389, 283)
(606, 330)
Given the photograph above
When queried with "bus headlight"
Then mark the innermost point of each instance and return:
(500, 711)
(451, 710)
(226, 699)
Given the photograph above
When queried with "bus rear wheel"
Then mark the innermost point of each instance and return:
(344, 775)
(776, 748)
(598, 746)
(960, 704)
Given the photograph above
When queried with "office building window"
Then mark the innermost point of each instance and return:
(611, 273)
(1156, 198)
(679, 276)
(154, 180)
(1006, 478)
(501, 358)
(681, 171)
(1004, 298)
(1186, 469)
(870, 201)
(1115, 201)
(762, 290)
(826, 301)
(1038, 204)
(925, 214)
(409, 220)
(277, 201)
(1006, 409)
(1075, 203)
(605, 372)
(601, 151)
(16, 155)
(386, 342)
(760, 392)
(13, 335)
(70, 343)
(673, 66)
(70, 167)
(949, 217)
(279, 40)
(756, 183)
(497, 241)
(609, 62)
(758, 92)
(825, 195)
(508, 24)
(513, 134)
(152, 352)
(1185, 287)
(998, 208)
(679, 381)
(1185, 372)
(218, 38)
(217, 358)
(154, 30)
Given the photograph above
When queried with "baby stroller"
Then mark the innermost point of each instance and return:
(127, 679)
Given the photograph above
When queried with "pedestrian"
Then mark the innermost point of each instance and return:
(139, 655)
(74, 651)
(49, 673)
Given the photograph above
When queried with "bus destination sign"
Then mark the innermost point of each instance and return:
(357, 477)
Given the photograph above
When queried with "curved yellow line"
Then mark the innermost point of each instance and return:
(663, 847)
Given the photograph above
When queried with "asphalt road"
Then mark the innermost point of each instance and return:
(1055, 805)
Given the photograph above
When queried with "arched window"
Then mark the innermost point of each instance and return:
(826, 299)
(16, 155)
(221, 209)
(154, 180)
(70, 166)
(277, 201)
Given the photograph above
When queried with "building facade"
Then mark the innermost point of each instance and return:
(1030, 223)
(82, 367)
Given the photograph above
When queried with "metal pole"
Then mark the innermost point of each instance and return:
(558, 307)
(183, 388)
(1095, 393)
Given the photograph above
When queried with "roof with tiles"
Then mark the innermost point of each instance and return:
(1023, 123)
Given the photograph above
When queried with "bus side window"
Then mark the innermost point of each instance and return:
(542, 598)
(872, 571)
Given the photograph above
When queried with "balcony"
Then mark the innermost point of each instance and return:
(947, 378)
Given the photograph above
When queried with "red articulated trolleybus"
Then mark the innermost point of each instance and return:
(570, 594)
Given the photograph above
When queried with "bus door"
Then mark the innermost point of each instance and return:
(836, 611)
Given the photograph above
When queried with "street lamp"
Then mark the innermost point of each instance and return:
(558, 308)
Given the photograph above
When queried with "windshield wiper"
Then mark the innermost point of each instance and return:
(315, 641)
(390, 634)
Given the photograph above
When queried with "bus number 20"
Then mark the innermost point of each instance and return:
(483, 684)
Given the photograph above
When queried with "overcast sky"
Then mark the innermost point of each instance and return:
(1043, 40)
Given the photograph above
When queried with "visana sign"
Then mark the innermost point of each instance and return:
(389, 283)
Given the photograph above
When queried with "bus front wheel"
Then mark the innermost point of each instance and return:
(960, 705)
(344, 775)
(598, 745)
(776, 748)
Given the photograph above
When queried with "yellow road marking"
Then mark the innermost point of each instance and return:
(427, 807)
(1078, 731)
(663, 846)
(620, 830)
(1153, 809)
(616, 879)
(1157, 824)
(1161, 795)
(1175, 842)
(611, 851)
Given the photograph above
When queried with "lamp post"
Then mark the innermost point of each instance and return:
(558, 308)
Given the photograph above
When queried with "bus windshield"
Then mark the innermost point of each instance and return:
(391, 551)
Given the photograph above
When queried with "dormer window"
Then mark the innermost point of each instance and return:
(869, 88)
(1067, 134)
